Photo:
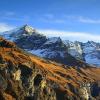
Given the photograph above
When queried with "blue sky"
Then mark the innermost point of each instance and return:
(75, 17)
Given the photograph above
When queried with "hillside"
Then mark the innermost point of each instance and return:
(24, 76)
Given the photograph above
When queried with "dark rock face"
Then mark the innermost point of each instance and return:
(95, 90)
(54, 44)
(37, 80)
(3, 83)
(31, 42)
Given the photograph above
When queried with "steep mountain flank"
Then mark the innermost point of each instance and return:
(24, 76)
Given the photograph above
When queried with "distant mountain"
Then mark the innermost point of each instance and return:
(62, 51)
(89, 51)
(24, 76)
(75, 49)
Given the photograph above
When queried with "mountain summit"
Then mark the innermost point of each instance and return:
(28, 29)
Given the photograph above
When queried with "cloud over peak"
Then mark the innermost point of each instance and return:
(83, 19)
(5, 27)
(72, 36)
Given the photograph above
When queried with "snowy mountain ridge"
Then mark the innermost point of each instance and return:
(29, 39)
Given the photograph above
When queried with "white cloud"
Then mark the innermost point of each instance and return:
(83, 19)
(5, 27)
(13, 16)
(9, 13)
(23, 18)
(57, 21)
(49, 16)
(89, 20)
(73, 36)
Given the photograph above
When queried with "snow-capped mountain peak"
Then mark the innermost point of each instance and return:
(16, 33)
(28, 29)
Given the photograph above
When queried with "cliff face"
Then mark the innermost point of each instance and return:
(27, 77)
(75, 49)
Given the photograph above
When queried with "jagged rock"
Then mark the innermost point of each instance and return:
(17, 75)
(3, 83)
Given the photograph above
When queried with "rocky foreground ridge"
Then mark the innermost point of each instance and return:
(24, 76)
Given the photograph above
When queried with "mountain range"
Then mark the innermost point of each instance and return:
(24, 76)
(54, 48)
